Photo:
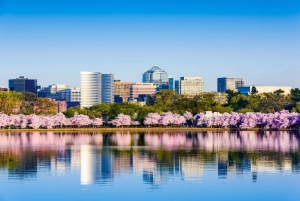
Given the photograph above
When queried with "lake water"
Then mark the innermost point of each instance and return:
(150, 166)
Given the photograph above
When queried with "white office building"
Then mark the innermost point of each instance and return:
(190, 85)
(90, 88)
(70, 95)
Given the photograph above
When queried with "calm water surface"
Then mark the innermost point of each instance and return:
(150, 166)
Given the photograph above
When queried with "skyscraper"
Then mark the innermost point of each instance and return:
(171, 83)
(225, 83)
(158, 77)
(107, 85)
(90, 88)
(23, 84)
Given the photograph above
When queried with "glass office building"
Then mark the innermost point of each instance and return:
(23, 84)
(107, 84)
(158, 77)
(171, 83)
(225, 83)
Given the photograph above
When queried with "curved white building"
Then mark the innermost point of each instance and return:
(90, 88)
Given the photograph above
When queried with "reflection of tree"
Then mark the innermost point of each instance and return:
(165, 156)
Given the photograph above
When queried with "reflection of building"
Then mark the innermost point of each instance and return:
(158, 77)
(23, 84)
(191, 167)
(222, 165)
(226, 83)
(24, 168)
(87, 165)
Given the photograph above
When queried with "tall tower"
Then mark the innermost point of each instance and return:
(158, 77)
(108, 86)
(90, 88)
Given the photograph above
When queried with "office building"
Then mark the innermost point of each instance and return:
(190, 86)
(23, 84)
(4, 89)
(171, 83)
(158, 77)
(107, 85)
(225, 83)
(90, 88)
(246, 90)
(70, 95)
(51, 91)
(137, 89)
(177, 86)
(122, 90)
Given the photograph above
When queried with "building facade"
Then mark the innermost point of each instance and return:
(158, 77)
(177, 86)
(90, 88)
(107, 85)
(23, 84)
(191, 85)
(70, 95)
(122, 90)
(246, 90)
(137, 89)
(4, 89)
(171, 83)
(225, 83)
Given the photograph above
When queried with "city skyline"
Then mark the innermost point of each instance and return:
(258, 41)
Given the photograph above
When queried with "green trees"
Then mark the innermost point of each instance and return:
(28, 100)
(10, 102)
(25, 103)
(44, 106)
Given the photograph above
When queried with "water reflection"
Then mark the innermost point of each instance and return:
(157, 158)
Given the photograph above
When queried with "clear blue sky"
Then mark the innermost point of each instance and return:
(53, 40)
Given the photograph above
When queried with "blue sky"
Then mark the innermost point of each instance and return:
(54, 40)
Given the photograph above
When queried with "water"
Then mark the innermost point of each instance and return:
(147, 166)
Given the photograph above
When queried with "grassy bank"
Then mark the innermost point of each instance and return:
(139, 129)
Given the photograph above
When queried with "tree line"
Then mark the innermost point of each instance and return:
(169, 101)
(25, 103)
(164, 101)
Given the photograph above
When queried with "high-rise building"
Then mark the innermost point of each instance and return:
(137, 89)
(158, 77)
(190, 85)
(23, 84)
(107, 85)
(225, 83)
(177, 86)
(122, 90)
(171, 83)
(90, 88)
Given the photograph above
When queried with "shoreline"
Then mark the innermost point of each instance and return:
(142, 129)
